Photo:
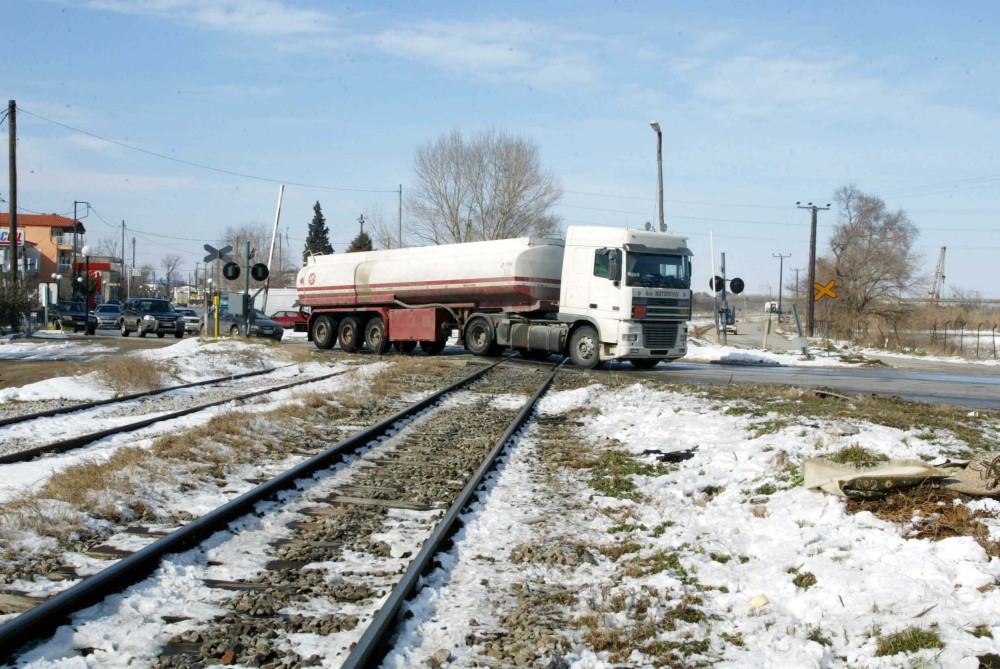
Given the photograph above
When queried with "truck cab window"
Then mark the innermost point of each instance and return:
(658, 271)
(602, 265)
(607, 264)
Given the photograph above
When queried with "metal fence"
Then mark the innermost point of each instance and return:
(977, 341)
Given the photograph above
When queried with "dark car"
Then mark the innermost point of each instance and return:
(232, 325)
(108, 316)
(290, 320)
(151, 315)
(66, 315)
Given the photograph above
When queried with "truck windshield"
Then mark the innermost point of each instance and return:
(657, 271)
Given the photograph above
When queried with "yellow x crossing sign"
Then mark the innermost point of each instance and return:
(823, 291)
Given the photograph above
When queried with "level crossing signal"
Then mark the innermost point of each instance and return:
(736, 286)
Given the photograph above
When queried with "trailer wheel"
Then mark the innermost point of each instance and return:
(405, 346)
(375, 338)
(584, 347)
(432, 347)
(324, 332)
(480, 338)
(347, 334)
(644, 363)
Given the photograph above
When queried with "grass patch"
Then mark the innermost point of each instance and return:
(857, 455)
(612, 474)
(909, 640)
(979, 432)
(804, 580)
(931, 513)
(133, 374)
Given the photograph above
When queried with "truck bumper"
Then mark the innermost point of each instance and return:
(663, 340)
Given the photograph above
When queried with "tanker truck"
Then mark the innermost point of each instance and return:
(601, 294)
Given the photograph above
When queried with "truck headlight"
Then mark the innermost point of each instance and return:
(631, 337)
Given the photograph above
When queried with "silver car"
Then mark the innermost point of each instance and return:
(192, 321)
(108, 316)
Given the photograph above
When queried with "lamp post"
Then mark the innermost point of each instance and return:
(57, 278)
(76, 226)
(86, 251)
(659, 170)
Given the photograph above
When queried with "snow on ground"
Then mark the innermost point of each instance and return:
(742, 547)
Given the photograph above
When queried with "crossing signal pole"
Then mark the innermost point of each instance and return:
(810, 310)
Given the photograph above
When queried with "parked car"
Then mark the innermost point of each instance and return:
(232, 325)
(151, 315)
(66, 315)
(290, 320)
(192, 321)
(108, 316)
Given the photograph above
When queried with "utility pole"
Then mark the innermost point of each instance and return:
(12, 153)
(781, 266)
(400, 215)
(133, 268)
(122, 290)
(796, 270)
(811, 280)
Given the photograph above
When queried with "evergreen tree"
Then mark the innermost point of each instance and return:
(318, 239)
(17, 299)
(360, 243)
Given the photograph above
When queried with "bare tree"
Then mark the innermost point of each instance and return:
(490, 187)
(110, 247)
(873, 262)
(384, 234)
(169, 263)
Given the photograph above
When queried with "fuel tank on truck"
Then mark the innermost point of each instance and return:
(519, 274)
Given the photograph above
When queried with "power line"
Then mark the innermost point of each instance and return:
(205, 167)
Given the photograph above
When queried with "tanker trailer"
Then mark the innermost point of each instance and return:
(602, 294)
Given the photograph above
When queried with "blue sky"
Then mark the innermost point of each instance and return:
(762, 105)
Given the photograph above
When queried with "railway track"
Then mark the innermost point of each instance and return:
(80, 406)
(321, 529)
(22, 444)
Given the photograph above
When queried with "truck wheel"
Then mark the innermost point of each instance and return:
(643, 363)
(584, 347)
(125, 329)
(432, 347)
(405, 346)
(347, 334)
(480, 337)
(324, 332)
(375, 338)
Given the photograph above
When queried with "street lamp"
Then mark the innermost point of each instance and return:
(659, 170)
(57, 278)
(86, 250)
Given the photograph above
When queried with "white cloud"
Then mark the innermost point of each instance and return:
(494, 50)
(257, 17)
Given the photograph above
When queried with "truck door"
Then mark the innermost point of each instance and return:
(605, 302)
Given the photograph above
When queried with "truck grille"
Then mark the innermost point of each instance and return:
(660, 335)
(668, 308)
